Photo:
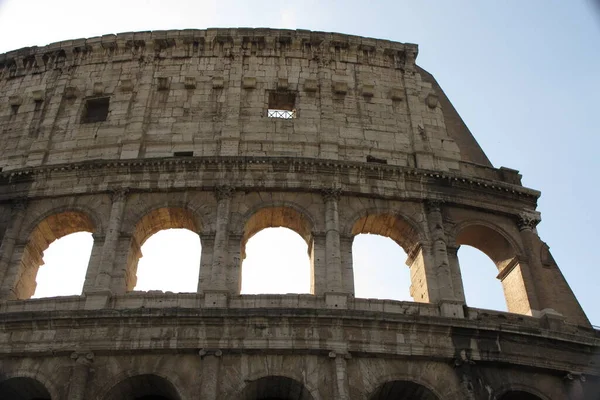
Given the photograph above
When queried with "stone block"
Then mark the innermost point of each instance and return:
(249, 82)
(218, 82)
(190, 82)
(368, 90)
(340, 87)
(397, 94)
(311, 85)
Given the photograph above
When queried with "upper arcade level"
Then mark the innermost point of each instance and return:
(231, 92)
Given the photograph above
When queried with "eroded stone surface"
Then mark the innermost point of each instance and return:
(371, 144)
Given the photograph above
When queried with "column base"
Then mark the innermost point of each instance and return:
(216, 299)
(96, 300)
(452, 309)
(336, 300)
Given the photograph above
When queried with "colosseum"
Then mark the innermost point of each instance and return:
(226, 132)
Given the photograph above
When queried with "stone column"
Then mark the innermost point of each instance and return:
(94, 262)
(217, 294)
(527, 224)
(333, 258)
(341, 386)
(440, 254)
(318, 266)
(111, 238)
(210, 364)
(80, 374)
(206, 259)
(8, 246)
(457, 283)
(347, 268)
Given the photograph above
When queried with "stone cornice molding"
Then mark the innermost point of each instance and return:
(170, 164)
(222, 42)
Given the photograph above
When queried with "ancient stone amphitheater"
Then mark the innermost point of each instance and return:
(226, 132)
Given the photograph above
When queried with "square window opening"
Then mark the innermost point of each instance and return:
(96, 110)
(282, 105)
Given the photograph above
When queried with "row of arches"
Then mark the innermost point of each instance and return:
(384, 226)
(154, 387)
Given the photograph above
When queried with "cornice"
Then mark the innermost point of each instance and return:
(210, 42)
(170, 164)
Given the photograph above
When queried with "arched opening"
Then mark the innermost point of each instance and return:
(286, 269)
(379, 266)
(276, 253)
(64, 264)
(276, 388)
(518, 395)
(403, 390)
(503, 254)
(481, 286)
(45, 233)
(380, 255)
(165, 252)
(143, 387)
(21, 388)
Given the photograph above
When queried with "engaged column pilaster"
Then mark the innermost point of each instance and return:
(8, 246)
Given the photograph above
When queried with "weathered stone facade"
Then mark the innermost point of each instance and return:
(126, 135)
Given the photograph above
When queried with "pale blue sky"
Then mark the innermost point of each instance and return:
(522, 74)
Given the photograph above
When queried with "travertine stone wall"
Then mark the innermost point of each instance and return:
(207, 92)
(375, 147)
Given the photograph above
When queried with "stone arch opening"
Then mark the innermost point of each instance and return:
(380, 274)
(279, 217)
(276, 388)
(479, 273)
(174, 222)
(405, 235)
(403, 390)
(143, 387)
(23, 388)
(504, 255)
(518, 395)
(47, 231)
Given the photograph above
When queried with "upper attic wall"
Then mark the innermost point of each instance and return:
(470, 150)
(208, 93)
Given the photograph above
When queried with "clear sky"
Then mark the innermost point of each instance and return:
(524, 75)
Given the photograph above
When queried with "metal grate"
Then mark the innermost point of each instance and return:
(284, 114)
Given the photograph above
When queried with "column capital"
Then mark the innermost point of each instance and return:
(331, 193)
(82, 358)
(434, 204)
(118, 194)
(18, 204)
(527, 222)
(224, 192)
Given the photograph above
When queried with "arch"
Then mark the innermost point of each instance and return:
(155, 220)
(506, 255)
(49, 229)
(276, 217)
(519, 391)
(492, 240)
(275, 387)
(398, 227)
(144, 386)
(403, 390)
(518, 395)
(406, 233)
(23, 388)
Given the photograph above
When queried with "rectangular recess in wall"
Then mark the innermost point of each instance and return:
(183, 154)
(96, 110)
(282, 104)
